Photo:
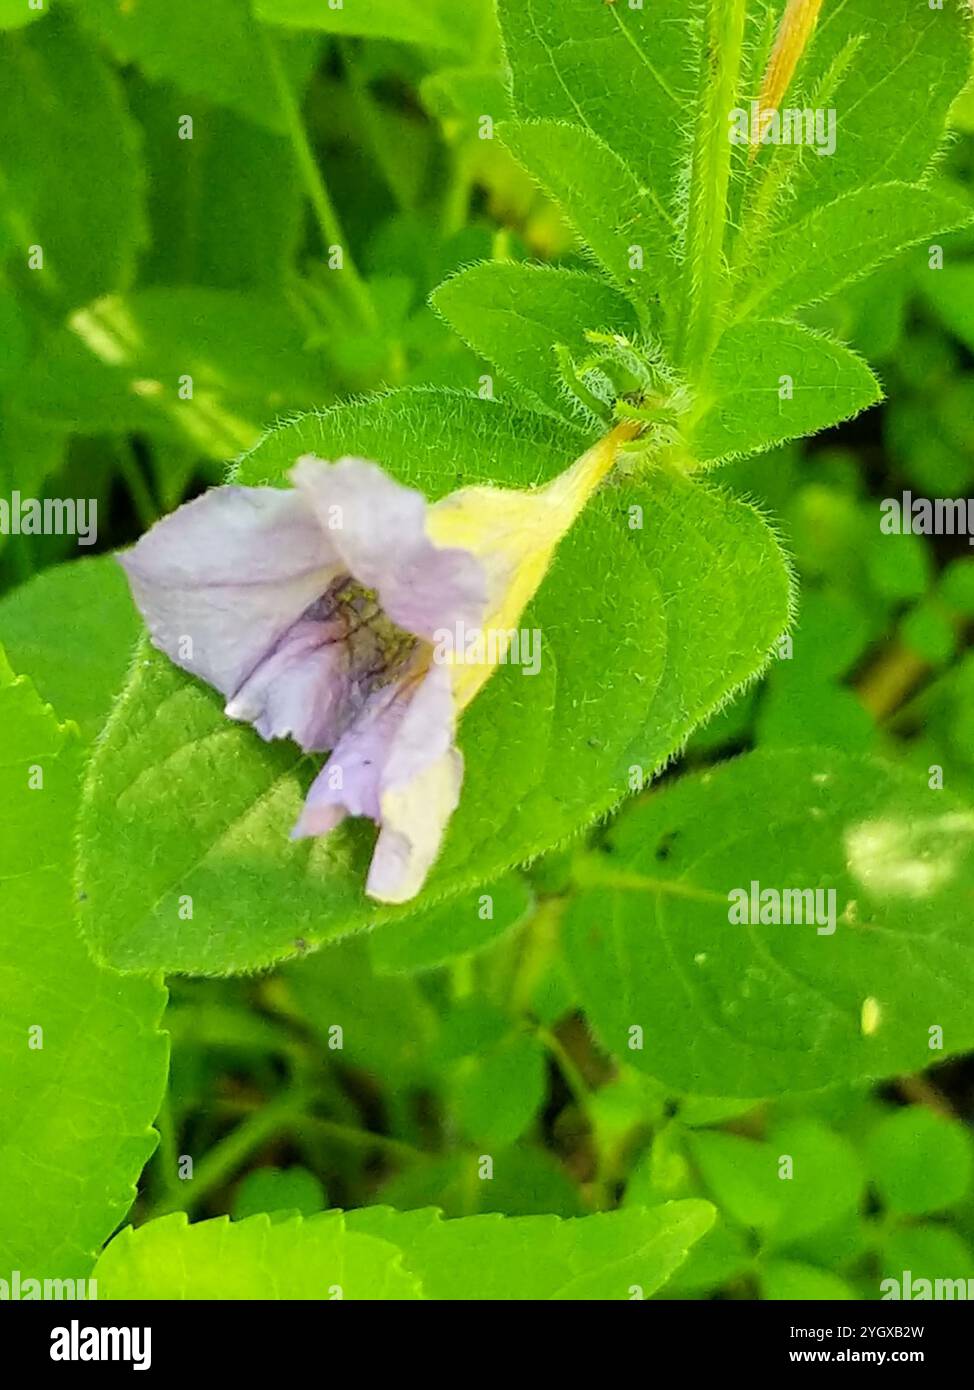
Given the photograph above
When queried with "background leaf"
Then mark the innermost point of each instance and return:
(49, 72)
(77, 1099)
(295, 1258)
(780, 1008)
(73, 628)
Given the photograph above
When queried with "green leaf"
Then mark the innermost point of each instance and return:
(515, 315)
(789, 1280)
(278, 1190)
(498, 1095)
(429, 23)
(48, 74)
(72, 627)
(843, 241)
(933, 1252)
(15, 14)
(544, 756)
(787, 1187)
(130, 363)
(318, 1258)
(951, 292)
(208, 218)
(765, 1009)
(613, 214)
(619, 73)
(908, 63)
(921, 1162)
(214, 51)
(768, 382)
(618, 1255)
(385, 1026)
(463, 926)
(378, 1253)
(78, 1097)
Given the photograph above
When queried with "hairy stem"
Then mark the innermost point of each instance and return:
(704, 275)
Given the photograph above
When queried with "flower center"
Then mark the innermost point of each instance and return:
(378, 649)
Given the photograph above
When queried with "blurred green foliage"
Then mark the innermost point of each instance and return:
(215, 257)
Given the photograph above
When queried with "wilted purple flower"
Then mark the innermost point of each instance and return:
(314, 612)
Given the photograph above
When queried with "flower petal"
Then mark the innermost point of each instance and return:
(302, 690)
(414, 821)
(378, 527)
(222, 580)
(396, 765)
(515, 535)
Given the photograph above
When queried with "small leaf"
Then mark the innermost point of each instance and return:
(920, 1161)
(799, 1180)
(497, 1096)
(613, 214)
(790, 1281)
(515, 315)
(278, 1190)
(768, 382)
(845, 240)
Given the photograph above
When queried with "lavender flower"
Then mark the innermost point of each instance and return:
(313, 611)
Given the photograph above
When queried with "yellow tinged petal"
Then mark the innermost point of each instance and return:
(515, 535)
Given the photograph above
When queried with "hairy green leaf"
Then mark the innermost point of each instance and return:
(845, 240)
(614, 215)
(770, 381)
(516, 315)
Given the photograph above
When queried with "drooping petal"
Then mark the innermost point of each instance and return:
(303, 689)
(414, 821)
(398, 766)
(221, 581)
(378, 527)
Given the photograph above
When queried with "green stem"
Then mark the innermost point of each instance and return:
(315, 186)
(230, 1153)
(362, 1139)
(582, 1096)
(704, 275)
(387, 159)
(142, 499)
(574, 1079)
(167, 1157)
